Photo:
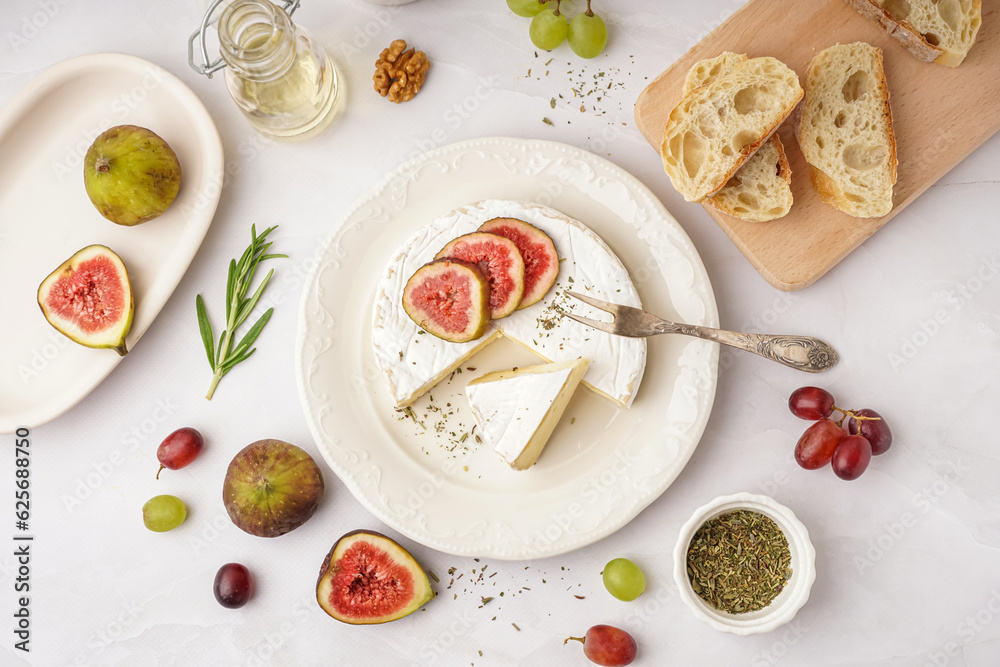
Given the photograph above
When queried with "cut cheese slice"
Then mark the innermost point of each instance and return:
(413, 361)
(517, 410)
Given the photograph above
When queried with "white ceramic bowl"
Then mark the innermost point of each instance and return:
(789, 600)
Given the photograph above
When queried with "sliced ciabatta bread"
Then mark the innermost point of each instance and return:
(706, 71)
(762, 188)
(942, 31)
(845, 130)
(716, 127)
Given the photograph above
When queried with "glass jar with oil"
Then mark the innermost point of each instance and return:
(278, 74)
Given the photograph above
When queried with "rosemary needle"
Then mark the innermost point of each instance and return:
(238, 309)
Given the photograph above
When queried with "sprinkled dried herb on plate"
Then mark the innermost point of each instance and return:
(739, 561)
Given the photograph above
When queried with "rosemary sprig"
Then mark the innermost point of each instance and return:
(238, 308)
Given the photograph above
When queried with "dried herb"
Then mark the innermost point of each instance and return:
(738, 562)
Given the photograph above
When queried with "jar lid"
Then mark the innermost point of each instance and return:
(205, 66)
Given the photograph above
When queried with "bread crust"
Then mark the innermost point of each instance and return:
(907, 34)
(784, 169)
(901, 31)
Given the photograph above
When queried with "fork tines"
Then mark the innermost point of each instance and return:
(607, 307)
(606, 327)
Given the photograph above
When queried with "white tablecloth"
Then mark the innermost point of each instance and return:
(906, 556)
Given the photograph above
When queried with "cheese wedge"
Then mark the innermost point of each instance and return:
(517, 410)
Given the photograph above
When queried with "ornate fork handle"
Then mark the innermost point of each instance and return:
(800, 352)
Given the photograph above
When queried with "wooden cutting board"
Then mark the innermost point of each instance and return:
(940, 115)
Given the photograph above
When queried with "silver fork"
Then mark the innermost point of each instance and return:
(799, 352)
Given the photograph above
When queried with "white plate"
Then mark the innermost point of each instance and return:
(603, 464)
(46, 216)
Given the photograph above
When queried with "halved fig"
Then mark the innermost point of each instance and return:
(89, 299)
(450, 299)
(541, 261)
(500, 261)
(368, 578)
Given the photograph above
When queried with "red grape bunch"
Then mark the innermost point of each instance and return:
(849, 446)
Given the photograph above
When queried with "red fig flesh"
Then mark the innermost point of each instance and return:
(89, 299)
(500, 261)
(368, 578)
(449, 298)
(541, 261)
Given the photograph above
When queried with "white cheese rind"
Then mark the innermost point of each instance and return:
(412, 363)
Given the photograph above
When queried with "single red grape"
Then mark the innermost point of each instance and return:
(876, 431)
(233, 585)
(852, 457)
(179, 448)
(816, 446)
(811, 403)
(607, 646)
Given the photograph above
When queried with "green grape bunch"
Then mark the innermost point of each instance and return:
(586, 33)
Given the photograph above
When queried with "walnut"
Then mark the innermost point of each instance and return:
(400, 73)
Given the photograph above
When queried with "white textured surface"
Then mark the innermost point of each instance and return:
(586, 264)
(906, 555)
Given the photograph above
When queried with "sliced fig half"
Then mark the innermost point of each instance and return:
(89, 299)
(500, 261)
(450, 299)
(541, 261)
(368, 578)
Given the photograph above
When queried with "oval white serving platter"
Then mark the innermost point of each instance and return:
(603, 464)
(46, 216)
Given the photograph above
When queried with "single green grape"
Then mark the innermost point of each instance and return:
(163, 513)
(527, 8)
(548, 30)
(624, 579)
(588, 35)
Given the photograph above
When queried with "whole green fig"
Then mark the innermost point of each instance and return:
(131, 174)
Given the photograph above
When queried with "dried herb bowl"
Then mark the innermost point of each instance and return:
(792, 595)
